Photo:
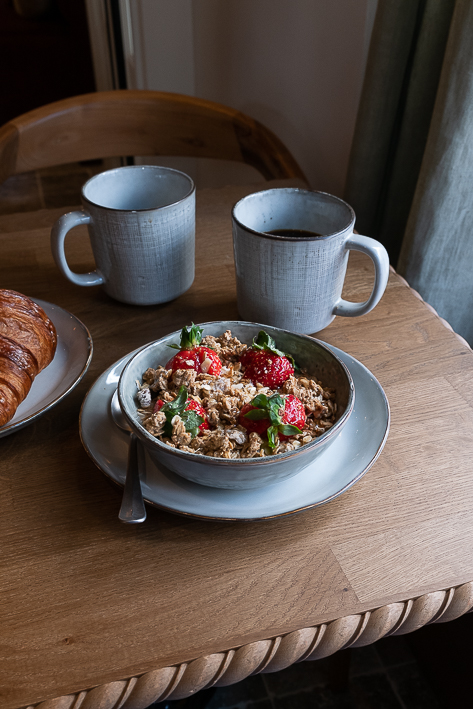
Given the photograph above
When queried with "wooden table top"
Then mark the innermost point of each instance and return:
(175, 604)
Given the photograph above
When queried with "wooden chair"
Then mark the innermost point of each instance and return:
(139, 123)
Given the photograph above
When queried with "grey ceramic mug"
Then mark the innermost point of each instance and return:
(141, 221)
(293, 278)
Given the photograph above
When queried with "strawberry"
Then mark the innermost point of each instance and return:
(265, 364)
(191, 412)
(277, 416)
(247, 356)
(192, 355)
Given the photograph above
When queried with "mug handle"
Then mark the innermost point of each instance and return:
(58, 234)
(380, 258)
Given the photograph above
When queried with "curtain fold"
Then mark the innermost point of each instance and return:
(410, 177)
(404, 64)
(437, 251)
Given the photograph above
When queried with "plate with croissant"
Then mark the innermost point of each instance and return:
(44, 353)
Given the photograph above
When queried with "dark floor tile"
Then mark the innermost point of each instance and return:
(373, 692)
(394, 651)
(443, 655)
(315, 699)
(412, 687)
(250, 689)
(20, 193)
(364, 660)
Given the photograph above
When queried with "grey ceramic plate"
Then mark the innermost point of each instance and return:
(70, 363)
(346, 461)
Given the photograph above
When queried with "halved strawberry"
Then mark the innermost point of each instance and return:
(192, 355)
(265, 364)
(277, 416)
(191, 412)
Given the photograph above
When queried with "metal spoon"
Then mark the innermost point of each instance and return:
(132, 509)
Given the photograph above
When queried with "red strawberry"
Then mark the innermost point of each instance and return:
(294, 414)
(265, 364)
(247, 356)
(191, 404)
(278, 416)
(192, 355)
(269, 369)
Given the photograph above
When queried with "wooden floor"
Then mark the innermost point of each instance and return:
(428, 669)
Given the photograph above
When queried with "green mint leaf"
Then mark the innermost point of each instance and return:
(167, 430)
(192, 421)
(256, 414)
(288, 429)
(260, 401)
(273, 438)
(178, 404)
(275, 405)
(265, 342)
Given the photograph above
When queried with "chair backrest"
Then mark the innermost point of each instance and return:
(139, 123)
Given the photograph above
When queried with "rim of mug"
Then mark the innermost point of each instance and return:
(277, 237)
(137, 167)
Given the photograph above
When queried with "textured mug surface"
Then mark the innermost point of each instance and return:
(141, 221)
(295, 282)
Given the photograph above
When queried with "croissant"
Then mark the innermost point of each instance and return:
(28, 342)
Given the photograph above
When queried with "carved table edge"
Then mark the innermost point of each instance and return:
(229, 667)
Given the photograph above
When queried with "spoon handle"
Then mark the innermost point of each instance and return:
(132, 509)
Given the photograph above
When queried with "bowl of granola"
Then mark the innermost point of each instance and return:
(235, 405)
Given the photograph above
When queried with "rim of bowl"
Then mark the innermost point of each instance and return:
(267, 460)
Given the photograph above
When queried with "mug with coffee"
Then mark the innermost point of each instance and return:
(291, 252)
(141, 222)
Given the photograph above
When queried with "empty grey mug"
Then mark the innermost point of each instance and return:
(141, 222)
(291, 252)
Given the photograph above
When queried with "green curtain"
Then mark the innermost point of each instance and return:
(410, 178)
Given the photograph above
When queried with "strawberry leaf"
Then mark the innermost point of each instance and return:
(190, 338)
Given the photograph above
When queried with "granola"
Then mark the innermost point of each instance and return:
(211, 426)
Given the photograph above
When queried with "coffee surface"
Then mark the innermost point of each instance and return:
(294, 233)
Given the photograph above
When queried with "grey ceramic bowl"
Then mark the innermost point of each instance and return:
(309, 353)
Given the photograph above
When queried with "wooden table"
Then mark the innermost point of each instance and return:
(96, 614)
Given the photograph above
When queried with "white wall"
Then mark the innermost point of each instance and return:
(295, 65)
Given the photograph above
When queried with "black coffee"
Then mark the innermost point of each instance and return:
(294, 233)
